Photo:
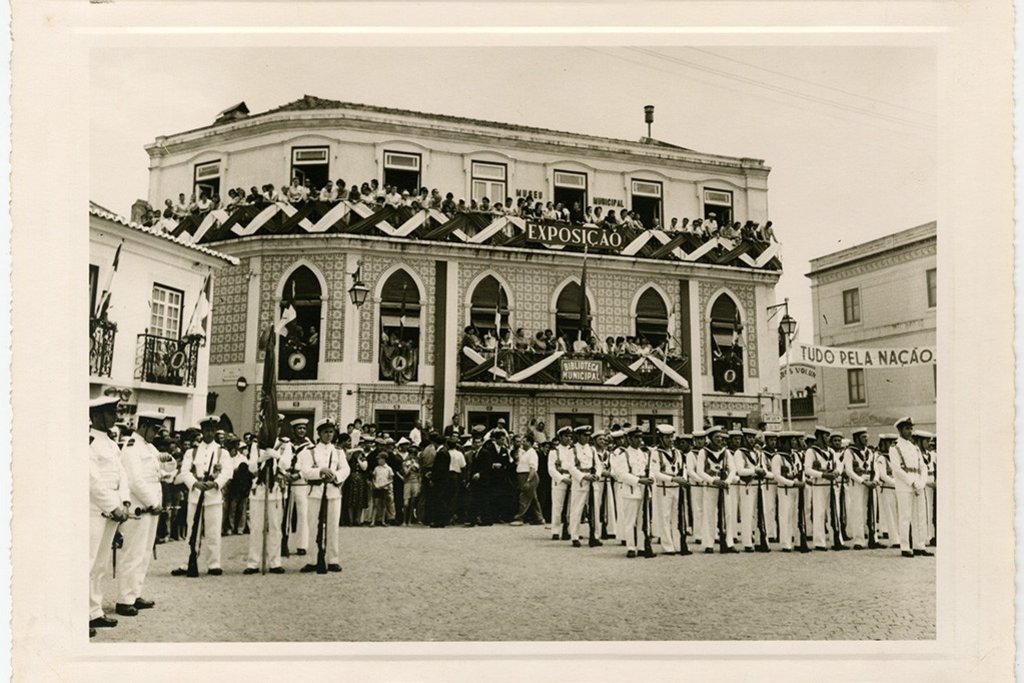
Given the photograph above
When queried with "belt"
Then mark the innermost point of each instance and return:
(318, 482)
(888, 488)
(912, 470)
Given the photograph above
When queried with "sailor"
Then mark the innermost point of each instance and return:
(324, 468)
(785, 467)
(715, 469)
(300, 488)
(911, 477)
(607, 509)
(265, 499)
(771, 492)
(205, 470)
(634, 468)
(669, 476)
(860, 470)
(819, 471)
(734, 443)
(886, 490)
(697, 485)
(751, 472)
(558, 468)
(109, 502)
(684, 444)
(145, 468)
(587, 472)
(923, 441)
(836, 446)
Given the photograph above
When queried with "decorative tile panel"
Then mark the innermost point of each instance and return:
(228, 316)
(372, 270)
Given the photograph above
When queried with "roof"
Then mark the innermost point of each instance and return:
(313, 103)
(897, 240)
(100, 212)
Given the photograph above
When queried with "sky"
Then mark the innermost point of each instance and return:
(849, 132)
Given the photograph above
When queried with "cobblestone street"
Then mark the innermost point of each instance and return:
(507, 583)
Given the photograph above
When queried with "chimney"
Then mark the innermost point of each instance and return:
(649, 118)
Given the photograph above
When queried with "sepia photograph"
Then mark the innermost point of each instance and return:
(580, 342)
(387, 335)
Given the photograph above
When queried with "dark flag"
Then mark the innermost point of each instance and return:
(267, 418)
(584, 334)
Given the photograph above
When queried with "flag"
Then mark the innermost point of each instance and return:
(497, 326)
(197, 325)
(267, 417)
(103, 305)
(401, 318)
(288, 314)
(584, 303)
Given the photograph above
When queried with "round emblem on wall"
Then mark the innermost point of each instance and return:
(729, 376)
(399, 363)
(177, 361)
(297, 361)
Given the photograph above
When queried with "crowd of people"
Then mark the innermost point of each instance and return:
(640, 487)
(487, 341)
(373, 194)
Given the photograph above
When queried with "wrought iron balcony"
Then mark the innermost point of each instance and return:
(101, 346)
(163, 360)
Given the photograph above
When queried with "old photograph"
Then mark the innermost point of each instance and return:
(384, 334)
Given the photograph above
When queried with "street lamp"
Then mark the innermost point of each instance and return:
(358, 291)
(787, 328)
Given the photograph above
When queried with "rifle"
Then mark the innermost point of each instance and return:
(722, 546)
(116, 542)
(286, 520)
(648, 550)
(565, 511)
(266, 510)
(321, 528)
(872, 540)
(684, 549)
(837, 543)
(590, 502)
(197, 520)
(604, 508)
(801, 521)
(762, 544)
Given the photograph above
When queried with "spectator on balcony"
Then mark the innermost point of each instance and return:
(471, 339)
(766, 234)
(505, 342)
(540, 345)
(580, 345)
(698, 229)
(296, 192)
(435, 199)
(203, 205)
(644, 346)
(576, 212)
(392, 197)
(561, 344)
(327, 193)
(448, 206)
(588, 216)
(711, 224)
(167, 222)
(656, 223)
(610, 221)
(181, 206)
(484, 206)
(376, 191)
(490, 343)
(498, 209)
(340, 190)
(726, 232)
(423, 198)
(519, 209)
(509, 208)
(520, 341)
(461, 206)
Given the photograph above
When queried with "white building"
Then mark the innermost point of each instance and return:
(142, 343)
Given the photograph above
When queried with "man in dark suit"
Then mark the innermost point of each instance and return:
(489, 472)
(440, 486)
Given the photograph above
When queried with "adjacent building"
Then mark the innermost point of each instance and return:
(880, 294)
(399, 355)
(144, 340)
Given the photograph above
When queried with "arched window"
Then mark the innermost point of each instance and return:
(726, 345)
(399, 328)
(651, 317)
(488, 296)
(567, 312)
(299, 349)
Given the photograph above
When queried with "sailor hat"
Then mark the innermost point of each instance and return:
(666, 429)
(321, 424)
(103, 401)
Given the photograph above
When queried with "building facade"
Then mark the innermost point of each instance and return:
(880, 294)
(400, 355)
(141, 342)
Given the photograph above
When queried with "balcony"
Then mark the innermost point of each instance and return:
(802, 406)
(597, 371)
(101, 346)
(163, 360)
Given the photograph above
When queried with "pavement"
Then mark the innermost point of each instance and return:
(515, 583)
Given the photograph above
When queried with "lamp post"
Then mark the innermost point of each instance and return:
(358, 291)
(787, 327)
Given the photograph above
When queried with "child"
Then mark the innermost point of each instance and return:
(412, 487)
(382, 478)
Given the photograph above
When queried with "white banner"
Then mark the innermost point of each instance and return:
(848, 357)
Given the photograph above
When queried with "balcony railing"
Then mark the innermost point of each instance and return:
(101, 346)
(163, 360)
(595, 369)
(803, 406)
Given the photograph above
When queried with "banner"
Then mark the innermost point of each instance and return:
(582, 371)
(553, 233)
(844, 357)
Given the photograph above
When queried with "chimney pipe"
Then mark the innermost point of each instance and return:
(649, 118)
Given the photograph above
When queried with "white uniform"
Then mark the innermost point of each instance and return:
(709, 466)
(628, 465)
(666, 497)
(771, 495)
(584, 461)
(311, 461)
(859, 469)
(911, 474)
(609, 497)
(144, 469)
(264, 503)
(817, 462)
(300, 493)
(929, 493)
(696, 490)
(745, 461)
(887, 502)
(785, 467)
(206, 459)
(558, 468)
(108, 490)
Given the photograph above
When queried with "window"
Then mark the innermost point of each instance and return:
(399, 329)
(648, 424)
(299, 350)
(932, 288)
(395, 423)
(718, 202)
(726, 345)
(567, 313)
(206, 179)
(402, 169)
(312, 164)
(165, 312)
(94, 283)
(855, 386)
(571, 189)
(488, 418)
(573, 420)
(851, 306)
(489, 180)
(487, 297)
(646, 201)
(651, 317)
